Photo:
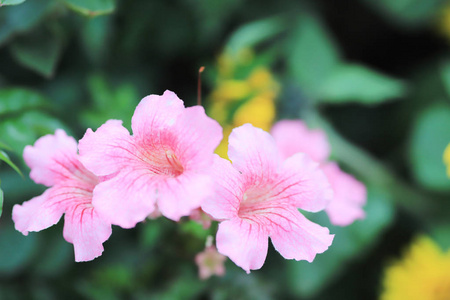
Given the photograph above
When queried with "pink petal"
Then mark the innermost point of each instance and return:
(197, 136)
(224, 204)
(349, 196)
(155, 114)
(108, 149)
(244, 243)
(293, 136)
(127, 198)
(304, 183)
(38, 213)
(52, 158)
(253, 152)
(178, 196)
(295, 237)
(86, 230)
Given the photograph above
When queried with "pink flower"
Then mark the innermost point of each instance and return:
(166, 162)
(258, 196)
(292, 136)
(54, 162)
(210, 262)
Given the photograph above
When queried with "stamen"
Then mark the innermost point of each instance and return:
(199, 85)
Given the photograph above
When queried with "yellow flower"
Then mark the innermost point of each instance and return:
(259, 111)
(447, 159)
(422, 274)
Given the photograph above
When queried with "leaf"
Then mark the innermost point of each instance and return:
(11, 2)
(356, 83)
(429, 137)
(91, 8)
(407, 12)
(313, 55)
(1, 202)
(38, 51)
(14, 100)
(16, 250)
(307, 279)
(21, 18)
(251, 34)
(4, 157)
(27, 128)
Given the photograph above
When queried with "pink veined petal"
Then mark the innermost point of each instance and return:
(349, 196)
(224, 204)
(293, 136)
(127, 198)
(178, 196)
(197, 136)
(304, 184)
(253, 152)
(108, 149)
(155, 114)
(86, 230)
(52, 158)
(38, 213)
(244, 243)
(295, 237)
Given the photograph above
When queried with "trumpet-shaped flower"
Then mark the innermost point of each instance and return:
(257, 197)
(165, 163)
(293, 136)
(54, 162)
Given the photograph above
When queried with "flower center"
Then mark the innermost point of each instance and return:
(163, 162)
(255, 201)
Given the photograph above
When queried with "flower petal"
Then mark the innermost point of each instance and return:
(349, 196)
(127, 198)
(304, 183)
(155, 114)
(178, 196)
(106, 150)
(295, 237)
(38, 213)
(293, 136)
(224, 204)
(52, 158)
(253, 152)
(86, 230)
(244, 243)
(197, 136)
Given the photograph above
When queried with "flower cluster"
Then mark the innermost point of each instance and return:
(167, 166)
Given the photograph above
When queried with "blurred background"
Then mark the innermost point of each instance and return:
(375, 75)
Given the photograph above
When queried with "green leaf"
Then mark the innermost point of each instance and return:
(38, 51)
(356, 83)
(313, 55)
(429, 137)
(21, 18)
(249, 35)
(91, 8)
(1, 202)
(11, 2)
(16, 250)
(25, 129)
(407, 12)
(15, 100)
(307, 279)
(4, 157)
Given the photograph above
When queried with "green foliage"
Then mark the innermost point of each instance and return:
(11, 2)
(4, 157)
(312, 55)
(356, 83)
(38, 51)
(1, 201)
(350, 243)
(109, 103)
(429, 137)
(91, 8)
